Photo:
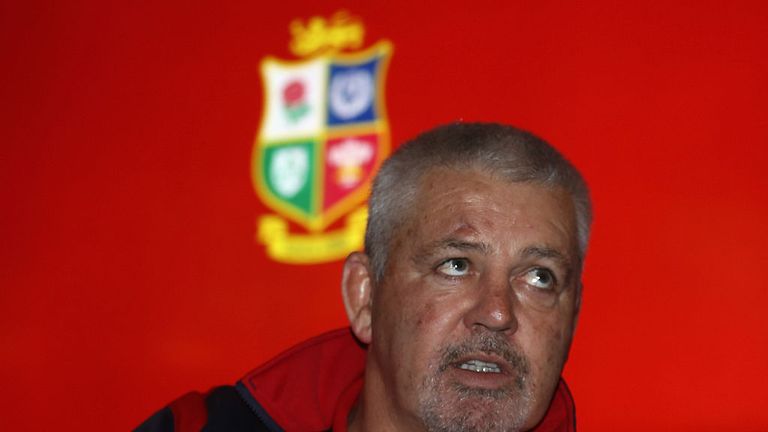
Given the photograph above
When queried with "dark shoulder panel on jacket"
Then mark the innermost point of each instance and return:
(228, 412)
(161, 421)
(225, 411)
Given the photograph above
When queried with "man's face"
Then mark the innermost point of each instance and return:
(473, 318)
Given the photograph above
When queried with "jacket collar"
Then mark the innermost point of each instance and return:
(314, 384)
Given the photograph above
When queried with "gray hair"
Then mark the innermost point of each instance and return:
(513, 154)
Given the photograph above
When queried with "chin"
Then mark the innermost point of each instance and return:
(454, 407)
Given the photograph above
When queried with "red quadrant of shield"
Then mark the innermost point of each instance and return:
(349, 162)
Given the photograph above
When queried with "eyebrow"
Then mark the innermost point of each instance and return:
(544, 252)
(450, 243)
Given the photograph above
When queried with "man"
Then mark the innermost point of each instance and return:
(462, 308)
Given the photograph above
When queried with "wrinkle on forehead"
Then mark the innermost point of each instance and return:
(466, 204)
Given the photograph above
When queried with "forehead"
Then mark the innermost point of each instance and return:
(477, 204)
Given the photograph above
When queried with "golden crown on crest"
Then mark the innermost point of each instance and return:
(320, 35)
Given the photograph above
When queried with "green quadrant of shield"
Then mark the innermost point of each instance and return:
(289, 173)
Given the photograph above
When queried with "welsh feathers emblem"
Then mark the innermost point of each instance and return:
(323, 134)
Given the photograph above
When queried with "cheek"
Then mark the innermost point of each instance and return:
(414, 328)
(405, 319)
(426, 325)
(557, 351)
(548, 343)
(425, 317)
(556, 329)
(436, 318)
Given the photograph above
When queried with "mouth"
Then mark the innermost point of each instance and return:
(482, 373)
(487, 364)
(480, 366)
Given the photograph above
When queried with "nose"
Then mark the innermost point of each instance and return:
(494, 306)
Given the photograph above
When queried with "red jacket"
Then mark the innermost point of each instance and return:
(310, 387)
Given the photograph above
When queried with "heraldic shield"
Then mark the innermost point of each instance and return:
(324, 133)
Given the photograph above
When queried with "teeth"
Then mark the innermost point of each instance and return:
(481, 366)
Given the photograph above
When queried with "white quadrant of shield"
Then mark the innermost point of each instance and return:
(291, 118)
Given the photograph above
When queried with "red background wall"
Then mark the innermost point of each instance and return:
(129, 273)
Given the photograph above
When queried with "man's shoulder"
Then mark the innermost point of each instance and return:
(297, 390)
(221, 409)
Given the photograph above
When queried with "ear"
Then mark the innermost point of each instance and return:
(356, 290)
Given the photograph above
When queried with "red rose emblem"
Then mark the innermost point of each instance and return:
(293, 93)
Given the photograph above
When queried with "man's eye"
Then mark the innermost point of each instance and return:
(454, 267)
(540, 278)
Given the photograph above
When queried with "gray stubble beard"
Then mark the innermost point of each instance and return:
(453, 407)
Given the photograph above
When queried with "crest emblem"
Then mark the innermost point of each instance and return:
(323, 134)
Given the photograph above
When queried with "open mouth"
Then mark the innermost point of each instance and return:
(480, 366)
